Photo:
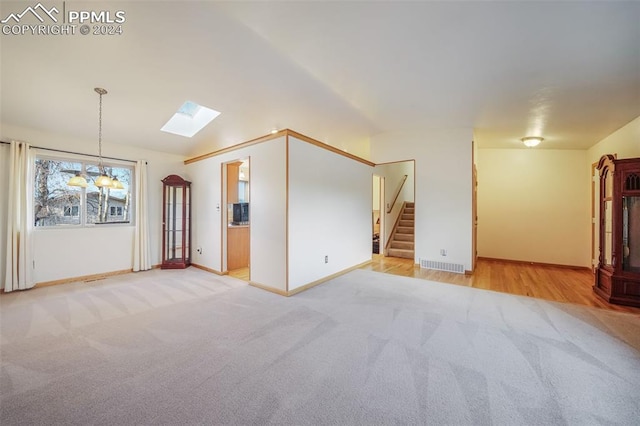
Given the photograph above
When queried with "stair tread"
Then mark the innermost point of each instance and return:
(407, 245)
(402, 253)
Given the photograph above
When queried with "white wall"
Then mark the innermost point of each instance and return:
(532, 206)
(51, 262)
(67, 253)
(442, 186)
(267, 211)
(329, 213)
(4, 191)
(393, 174)
(625, 142)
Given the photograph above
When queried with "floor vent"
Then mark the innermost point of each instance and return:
(442, 266)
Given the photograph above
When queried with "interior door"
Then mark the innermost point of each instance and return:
(474, 215)
(377, 224)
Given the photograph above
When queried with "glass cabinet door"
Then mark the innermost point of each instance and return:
(607, 234)
(631, 234)
(169, 225)
(187, 223)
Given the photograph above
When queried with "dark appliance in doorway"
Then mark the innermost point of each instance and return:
(240, 214)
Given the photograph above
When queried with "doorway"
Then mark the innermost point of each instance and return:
(238, 223)
(397, 208)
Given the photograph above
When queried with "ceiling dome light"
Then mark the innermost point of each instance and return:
(531, 141)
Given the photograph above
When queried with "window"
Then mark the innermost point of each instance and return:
(72, 211)
(100, 201)
(243, 191)
(56, 203)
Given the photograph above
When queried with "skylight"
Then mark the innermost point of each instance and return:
(189, 119)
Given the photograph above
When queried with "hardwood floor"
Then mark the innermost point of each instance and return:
(241, 273)
(543, 282)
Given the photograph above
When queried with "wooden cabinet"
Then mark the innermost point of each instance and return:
(618, 274)
(237, 247)
(176, 223)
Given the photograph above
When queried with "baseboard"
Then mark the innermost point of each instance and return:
(267, 288)
(306, 286)
(525, 262)
(92, 277)
(325, 279)
(204, 268)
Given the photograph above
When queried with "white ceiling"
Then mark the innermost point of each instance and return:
(336, 71)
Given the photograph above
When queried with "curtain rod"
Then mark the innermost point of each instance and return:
(77, 153)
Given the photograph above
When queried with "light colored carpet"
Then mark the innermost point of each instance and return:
(188, 347)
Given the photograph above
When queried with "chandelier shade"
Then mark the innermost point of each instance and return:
(116, 184)
(104, 181)
(78, 180)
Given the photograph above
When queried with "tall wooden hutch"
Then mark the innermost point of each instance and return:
(618, 274)
(176, 223)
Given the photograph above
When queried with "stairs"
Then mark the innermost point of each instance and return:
(401, 243)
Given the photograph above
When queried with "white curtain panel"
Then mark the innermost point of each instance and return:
(19, 250)
(4, 199)
(141, 255)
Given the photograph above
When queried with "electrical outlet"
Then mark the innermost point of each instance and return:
(443, 252)
(326, 259)
(199, 250)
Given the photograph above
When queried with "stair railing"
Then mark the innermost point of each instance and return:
(395, 198)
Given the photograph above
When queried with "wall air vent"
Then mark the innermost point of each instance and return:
(442, 266)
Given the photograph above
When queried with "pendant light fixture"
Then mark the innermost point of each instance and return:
(116, 184)
(103, 180)
(78, 180)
